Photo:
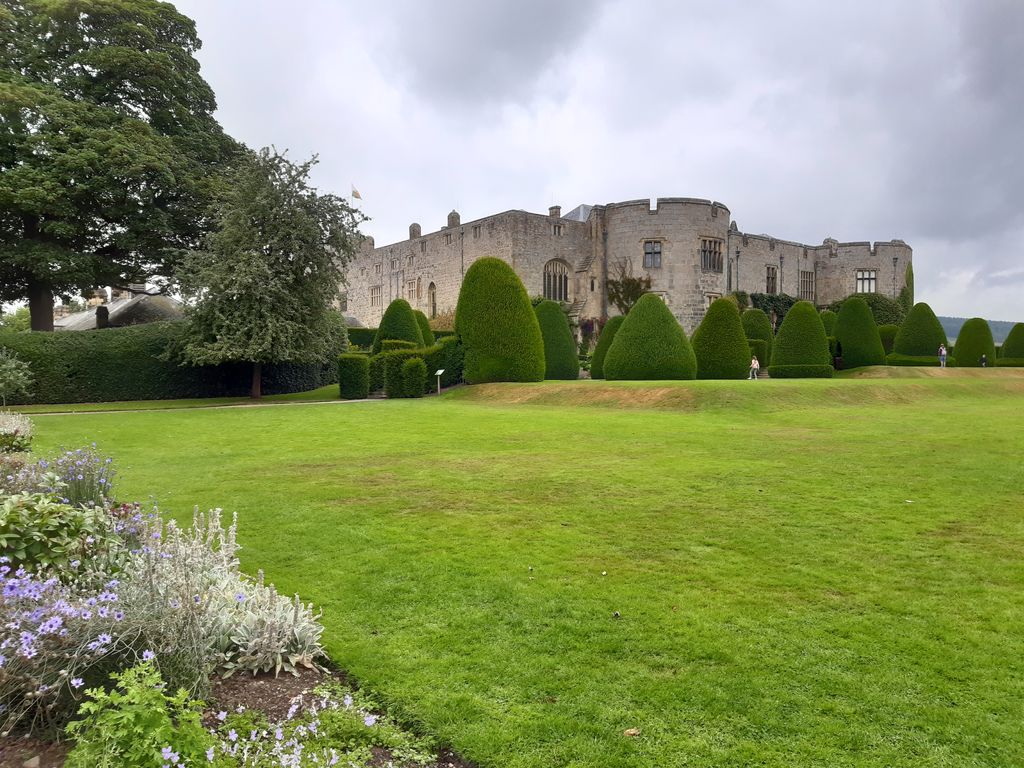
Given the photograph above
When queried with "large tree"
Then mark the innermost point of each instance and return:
(109, 151)
(262, 288)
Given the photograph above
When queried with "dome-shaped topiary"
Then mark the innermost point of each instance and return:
(801, 347)
(887, 333)
(828, 319)
(425, 332)
(561, 357)
(604, 342)
(973, 341)
(497, 326)
(857, 335)
(650, 345)
(1013, 344)
(398, 322)
(921, 334)
(719, 343)
(756, 325)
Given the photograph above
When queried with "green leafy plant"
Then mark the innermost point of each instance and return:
(801, 347)
(37, 531)
(973, 341)
(561, 357)
(398, 323)
(720, 343)
(15, 376)
(604, 342)
(353, 376)
(857, 335)
(15, 432)
(650, 345)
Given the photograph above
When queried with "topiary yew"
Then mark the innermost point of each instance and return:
(603, 343)
(353, 376)
(414, 377)
(561, 359)
(973, 341)
(425, 332)
(801, 347)
(887, 334)
(857, 335)
(1011, 355)
(650, 345)
(398, 322)
(720, 345)
(497, 326)
(828, 319)
(920, 335)
(756, 325)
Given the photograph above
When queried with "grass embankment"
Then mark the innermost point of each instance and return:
(802, 577)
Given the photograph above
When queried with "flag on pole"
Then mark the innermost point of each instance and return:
(355, 193)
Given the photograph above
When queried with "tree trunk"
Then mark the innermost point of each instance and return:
(257, 381)
(40, 306)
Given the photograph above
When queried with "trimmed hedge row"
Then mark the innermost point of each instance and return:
(973, 341)
(650, 345)
(389, 345)
(801, 347)
(362, 337)
(353, 376)
(1010, 362)
(129, 364)
(561, 356)
(447, 354)
(895, 358)
(604, 341)
(720, 345)
(857, 335)
(414, 377)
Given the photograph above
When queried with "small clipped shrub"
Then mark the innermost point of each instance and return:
(389, 345)
(604, 341)
(720, 344)
(353, 376)
(828, 319)
(414, 377)
(392, 363)
(561, 357)
(398, 322)
(973, 341)
(757, 325)
(887, 334)
(857, 335)
(650, 345)
(497, 325)
(921, 334)
(425, 332)
(758, 349)
(801, 347)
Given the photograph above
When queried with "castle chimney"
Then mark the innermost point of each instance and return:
(414, 231)
(555, 211)
(454, 219)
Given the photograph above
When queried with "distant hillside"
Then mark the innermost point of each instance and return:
(1000, 328)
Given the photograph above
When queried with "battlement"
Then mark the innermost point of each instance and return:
(654, 206)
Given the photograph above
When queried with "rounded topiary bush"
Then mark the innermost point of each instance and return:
(857, 335)
(1011, 355)
(650, 345)
(353, 376)
(495, 320)
(973, 341)
(720, 344)
(414, 377)
(398, 322)
(561, 358)
(921, 334)
(828, 319)
(604, 341)
(801, 347)
(756, 325)
(887, 335)
(426, 333)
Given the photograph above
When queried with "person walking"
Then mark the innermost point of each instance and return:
(755, 366)
(942, 355)
(984, 360)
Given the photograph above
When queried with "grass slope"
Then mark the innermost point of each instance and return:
(799, 584)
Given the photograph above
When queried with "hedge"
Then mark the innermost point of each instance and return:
(895, 358)
(719, 343)
(604, 341)
(757, 325)
(833, 347)
(1010, 362)
(650, 345)
(389, 345)
(1013, 344)
(497, 325)
(426, 334)
(362, 337)
(398, 322)
(801, 347)
(887, 334)
(857, 335)
(353, 376)
(828, 319)
(561, 356)
(921, 334)
(137, 363)
(448, 354)
(779, 303)
(885, 310)
(390, 364)
(376, 373)
(758, 349)
(973, 341)
(414, 377)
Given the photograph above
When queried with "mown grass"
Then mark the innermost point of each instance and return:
(805, 573)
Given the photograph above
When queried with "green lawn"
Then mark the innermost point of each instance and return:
(807, 573)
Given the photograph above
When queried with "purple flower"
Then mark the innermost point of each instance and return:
(370, 720)
(209, 755)
(222, 715)
(232, 735)
(168, 754)
(240, 597)
(77, 683)
(148, 655)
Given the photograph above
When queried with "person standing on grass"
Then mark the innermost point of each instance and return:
(984, 360)
(942, 355)
(755, 366)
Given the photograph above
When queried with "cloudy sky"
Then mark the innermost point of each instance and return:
(859, 121)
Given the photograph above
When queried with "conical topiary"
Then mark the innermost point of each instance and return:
(1011, 354)
(399, 323)
(973, 341)
(604, 342)
(920, 336)
(801, 348)
(561, 358)
(756, 325)
(857, 335)
(828, 319)
(719, 343)
(650, 345)
(499, 331)
(425, 331)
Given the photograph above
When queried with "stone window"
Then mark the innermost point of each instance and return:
(476, 231)
(711, 255)
(378, 268)
(771, 279)
(419, 289)
(394, 265)
(447, 238)
(592, 284)
(432, 299)
(410, 290)
(866, 281)
(423, 246)
(375, 296)
(408, 262)
(556, 280)
(556, 230)
(806, 285)
(652, 254)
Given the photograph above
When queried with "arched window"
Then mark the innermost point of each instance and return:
(432, 299)
(556, 280)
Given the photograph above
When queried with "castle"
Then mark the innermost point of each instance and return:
(691, 249)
